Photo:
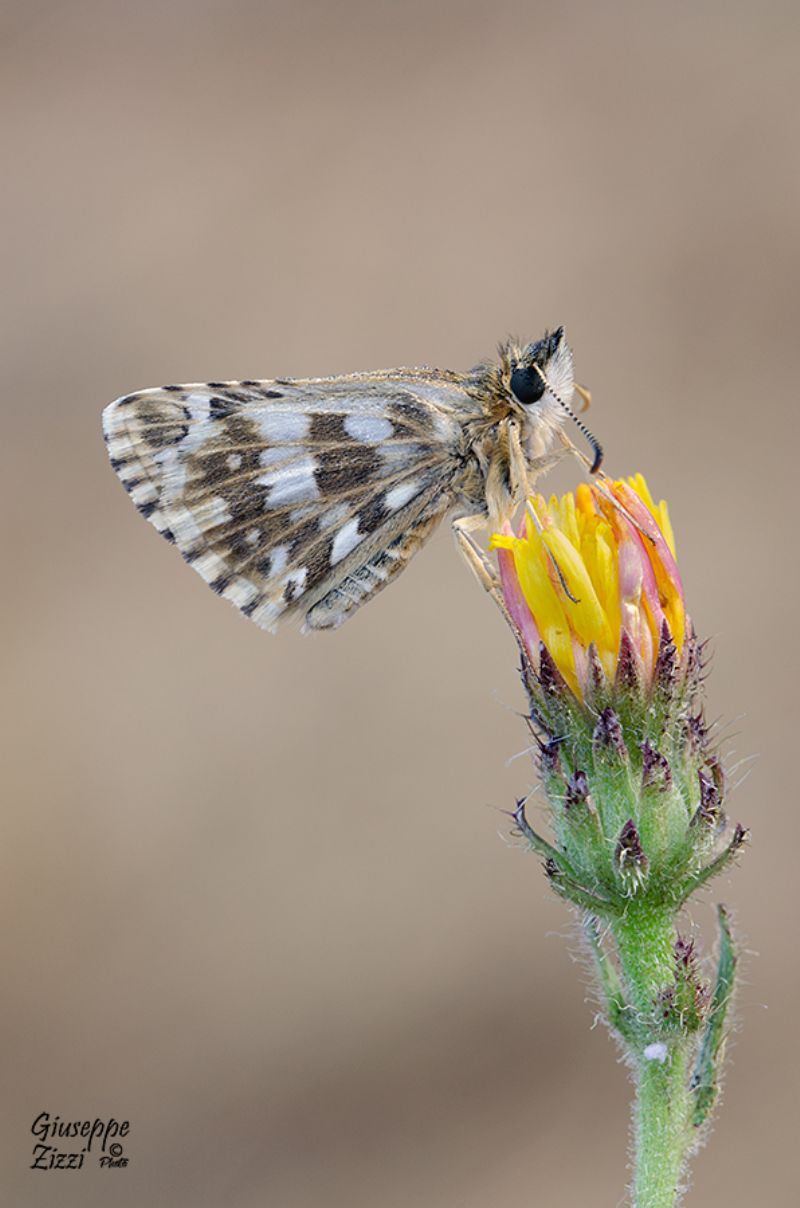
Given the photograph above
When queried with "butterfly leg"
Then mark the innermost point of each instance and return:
(472, 553)
(520, 480)
(576, 452)
(475, 558)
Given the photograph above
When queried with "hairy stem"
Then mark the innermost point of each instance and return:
(645, 938)
(662, 1112)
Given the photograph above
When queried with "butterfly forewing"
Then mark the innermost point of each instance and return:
(294, 496)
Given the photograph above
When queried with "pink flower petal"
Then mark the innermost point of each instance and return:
(643, 517)
(517, 605)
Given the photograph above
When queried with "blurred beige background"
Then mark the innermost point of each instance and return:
(257, 896)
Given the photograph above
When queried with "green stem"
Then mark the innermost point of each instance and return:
(663, 1108)
(645, 938)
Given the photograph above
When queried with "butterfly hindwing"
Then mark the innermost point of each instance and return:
(292, 496)
(372, 574)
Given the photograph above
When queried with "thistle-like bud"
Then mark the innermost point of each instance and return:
(656, 772)
(607, 736)
(630, 862)
(709, 811)
(684, 1002)
(577, 790)
(613, 672)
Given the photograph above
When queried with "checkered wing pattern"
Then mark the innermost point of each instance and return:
(294, 497)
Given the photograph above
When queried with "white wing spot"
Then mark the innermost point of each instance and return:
(368, 428)
(199, 406)
(234, 461)
(271, 457)
(282, 427)
(294, 483)
(398, 496)
(254, 536)
(345, 540)
(278, 559)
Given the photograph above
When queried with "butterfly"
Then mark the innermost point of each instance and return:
(307, 496)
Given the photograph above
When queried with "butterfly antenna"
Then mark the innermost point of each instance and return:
(594, 443)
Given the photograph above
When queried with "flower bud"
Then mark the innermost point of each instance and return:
(607, 737)
(630, 862)
(614, 675)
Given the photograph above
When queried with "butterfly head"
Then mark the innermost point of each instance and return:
(542, 382)
(543, 373)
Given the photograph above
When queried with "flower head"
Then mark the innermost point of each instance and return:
(592, 577)
(613, 674)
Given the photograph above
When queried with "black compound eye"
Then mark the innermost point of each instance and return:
(527, 385)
